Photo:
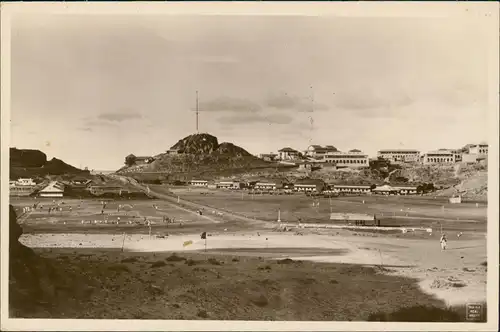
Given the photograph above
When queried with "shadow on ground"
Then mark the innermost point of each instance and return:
(109, 284)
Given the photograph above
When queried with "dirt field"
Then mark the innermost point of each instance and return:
(395, 210)
(414, 269)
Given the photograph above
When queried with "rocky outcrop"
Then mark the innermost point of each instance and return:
(232, 150)
(33, 163)
(197, 144)
(201, 155)
(27, 158)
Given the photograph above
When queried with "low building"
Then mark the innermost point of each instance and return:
(405, 189)
(80, 183)
(268, 185)
(439, 157)
(174, 151)
(25, 182)
(351, 189)
(288, 154)
(351, 159)
(17, 190)
(478, 148)
(319, 151)
(385, 190)
(395, 190)
(53, 189)
(144, 160)
(106, 189)
(399, 155)
(199, 183)
(268, 156)
(229, 185)
(356, 218)
(309, 185)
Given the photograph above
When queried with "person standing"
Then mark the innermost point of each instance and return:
(443, 242)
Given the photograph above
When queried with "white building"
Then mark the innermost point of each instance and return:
(288, 154)
(228, 185)
(352, 159)
(266, 186)
(478, 149)
(358, 189)
(395, 190)
(199, 183)
(25, 182)
(399, 155)
(439, 157)
(319, 151)
(305, 187)
(54, 189)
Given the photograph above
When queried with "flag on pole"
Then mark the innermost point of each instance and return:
(203, 235)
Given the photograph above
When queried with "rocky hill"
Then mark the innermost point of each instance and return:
(34, 163)
(200, 155)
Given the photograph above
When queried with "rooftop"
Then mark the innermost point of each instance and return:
(287, 149)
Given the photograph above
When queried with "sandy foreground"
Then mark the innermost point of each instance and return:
(455, 275)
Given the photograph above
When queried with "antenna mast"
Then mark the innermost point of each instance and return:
(197, 112)
(311, 117)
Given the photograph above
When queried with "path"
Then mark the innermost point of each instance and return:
(197, 206)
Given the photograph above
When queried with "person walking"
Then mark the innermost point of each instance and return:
(443, 242)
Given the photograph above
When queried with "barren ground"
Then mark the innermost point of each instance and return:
(409, 268)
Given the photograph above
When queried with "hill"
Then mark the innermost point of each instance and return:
(199, 155)
(33, 163)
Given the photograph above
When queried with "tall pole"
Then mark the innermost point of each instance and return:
(310, 117)
(197, 111)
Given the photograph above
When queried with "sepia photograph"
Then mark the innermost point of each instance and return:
(247, 164)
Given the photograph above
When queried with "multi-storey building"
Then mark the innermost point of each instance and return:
(352, 159)
(398, 155)
(439, 157)
(316, 151)
(288, 154)
(478, 149)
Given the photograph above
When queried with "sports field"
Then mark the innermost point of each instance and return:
(455, 276)
(414, 211)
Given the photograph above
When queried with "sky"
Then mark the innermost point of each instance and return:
(92, 89)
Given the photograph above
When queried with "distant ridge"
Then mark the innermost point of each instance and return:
(33, 163)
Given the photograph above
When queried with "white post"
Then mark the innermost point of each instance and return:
(279, 215)
(178, 199)
(123, 242)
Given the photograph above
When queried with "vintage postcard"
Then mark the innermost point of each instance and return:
(249, 166)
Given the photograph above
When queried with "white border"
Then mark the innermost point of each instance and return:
(486, 11)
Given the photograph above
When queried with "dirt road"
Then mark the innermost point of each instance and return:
(179, 202)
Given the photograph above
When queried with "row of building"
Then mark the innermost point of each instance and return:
(27, 187)
(307, 186)
(329, 155)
